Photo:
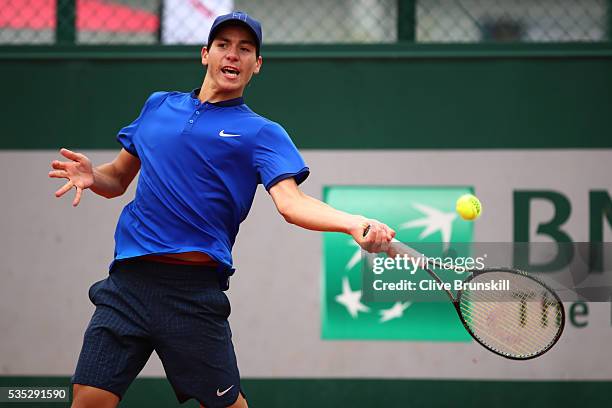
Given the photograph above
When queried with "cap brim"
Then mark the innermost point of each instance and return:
(226, 23)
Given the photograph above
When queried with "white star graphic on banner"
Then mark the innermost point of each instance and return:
(435, 220)
(356, 256)
(396, 311)
(351, 299)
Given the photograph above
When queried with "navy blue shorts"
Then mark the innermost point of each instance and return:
(177, 310)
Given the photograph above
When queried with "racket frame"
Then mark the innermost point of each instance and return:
(456, 300)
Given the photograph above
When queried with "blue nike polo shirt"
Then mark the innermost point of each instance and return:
(200, 167)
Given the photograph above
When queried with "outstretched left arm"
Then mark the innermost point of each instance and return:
(307, 212)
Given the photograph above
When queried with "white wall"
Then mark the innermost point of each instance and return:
(51, 253)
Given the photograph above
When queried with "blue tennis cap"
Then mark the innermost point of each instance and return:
(237, 17)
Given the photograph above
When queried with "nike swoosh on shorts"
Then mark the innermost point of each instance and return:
(222, 393)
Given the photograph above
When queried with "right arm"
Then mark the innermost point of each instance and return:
(108, 180)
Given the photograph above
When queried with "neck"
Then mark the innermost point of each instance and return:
(210, 92)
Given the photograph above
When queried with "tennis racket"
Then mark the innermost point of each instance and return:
(521, 322)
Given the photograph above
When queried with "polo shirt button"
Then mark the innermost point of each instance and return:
(197, 112)
(190, 120)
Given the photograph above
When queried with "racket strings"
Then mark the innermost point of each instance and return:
(489, 302)
(515, 320)
(475, 320)
(503, 346)
(517, 336)
(507, 341)
(520, 322)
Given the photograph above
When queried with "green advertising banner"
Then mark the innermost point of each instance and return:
(418, 214)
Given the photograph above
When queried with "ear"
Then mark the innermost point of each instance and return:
(258, 65)
(204, 55)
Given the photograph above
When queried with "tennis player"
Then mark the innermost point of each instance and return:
(201, 156)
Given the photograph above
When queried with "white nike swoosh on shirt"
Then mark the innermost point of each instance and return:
(223, 134)
(222, 393)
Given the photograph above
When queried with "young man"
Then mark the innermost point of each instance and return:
(201, 156)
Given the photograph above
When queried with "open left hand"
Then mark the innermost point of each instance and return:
(78, 171)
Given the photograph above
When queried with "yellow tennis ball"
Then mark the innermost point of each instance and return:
(469, 207)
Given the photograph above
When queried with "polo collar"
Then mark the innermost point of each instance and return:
(222, 104)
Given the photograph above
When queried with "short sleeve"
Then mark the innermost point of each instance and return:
(276, 158)
(125, 137)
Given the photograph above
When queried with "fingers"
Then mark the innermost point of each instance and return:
(58, 165)
(371, 237)
(77, 197)
(60, 171)
(388, 232)
(58, 174)
(377, 237)
(390, 236)
(380, 237)
(69, 154)
(66, 187)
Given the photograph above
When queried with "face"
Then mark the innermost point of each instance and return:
(231, 61)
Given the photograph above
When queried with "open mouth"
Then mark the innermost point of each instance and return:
(231, 72)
